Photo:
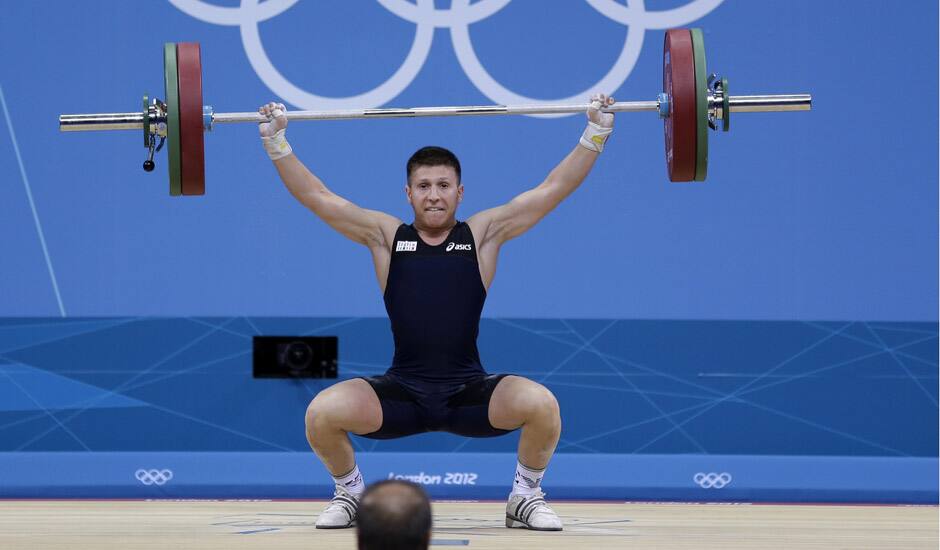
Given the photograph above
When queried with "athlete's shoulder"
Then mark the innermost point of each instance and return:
(463, 231)
(483, 224)
(404, 230)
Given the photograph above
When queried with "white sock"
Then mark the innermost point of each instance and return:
(351, 481)
(527, 480)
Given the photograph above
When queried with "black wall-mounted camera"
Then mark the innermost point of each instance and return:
(294, 356)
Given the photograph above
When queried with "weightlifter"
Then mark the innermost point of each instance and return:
(434, 274)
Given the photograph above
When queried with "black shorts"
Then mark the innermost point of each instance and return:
(463, 410)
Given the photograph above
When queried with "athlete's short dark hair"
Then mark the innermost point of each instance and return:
(433, 156)
(393, 515)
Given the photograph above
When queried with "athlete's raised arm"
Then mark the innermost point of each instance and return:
(497, 225)
(369, 227)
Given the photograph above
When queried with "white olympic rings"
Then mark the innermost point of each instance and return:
(712, 480)
(153, 476)
(426, 18)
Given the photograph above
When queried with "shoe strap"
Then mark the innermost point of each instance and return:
(528, 506)
(348, 503)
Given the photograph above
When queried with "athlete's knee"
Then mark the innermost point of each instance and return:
(551, 408)
(344, 408)
(320, 415)
(542, 405)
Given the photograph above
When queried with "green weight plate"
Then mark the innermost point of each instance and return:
(726, 107)
(701, 105)
(172, 118)
(146, 121)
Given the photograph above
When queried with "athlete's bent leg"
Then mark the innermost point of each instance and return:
(348, 407)
(519, 402)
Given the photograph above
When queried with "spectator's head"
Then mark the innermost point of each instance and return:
(393, 515)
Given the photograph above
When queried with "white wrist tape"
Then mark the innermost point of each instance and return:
(276, 145)
(595, 136)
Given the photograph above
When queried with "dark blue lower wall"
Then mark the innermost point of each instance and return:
(836, 410)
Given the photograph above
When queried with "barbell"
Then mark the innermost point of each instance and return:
(692, 101)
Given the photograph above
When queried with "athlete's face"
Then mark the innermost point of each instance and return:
(434, 193)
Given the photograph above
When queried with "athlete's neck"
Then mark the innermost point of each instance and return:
(434, 235)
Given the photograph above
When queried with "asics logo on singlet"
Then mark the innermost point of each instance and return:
(455, 246)
(406, 246)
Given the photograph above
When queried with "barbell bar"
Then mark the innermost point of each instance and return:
(135, 120)
(692, 101)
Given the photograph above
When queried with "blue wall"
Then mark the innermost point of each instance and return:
(784, 309)
(829, 215)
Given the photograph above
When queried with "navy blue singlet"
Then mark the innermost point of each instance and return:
(434, 297)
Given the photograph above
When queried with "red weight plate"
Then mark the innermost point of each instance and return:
(679, 85)
(192, 150)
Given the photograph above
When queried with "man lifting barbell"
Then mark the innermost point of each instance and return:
(434, 274)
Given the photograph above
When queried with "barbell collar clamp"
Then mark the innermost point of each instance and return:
(207, 114)
(663, 102)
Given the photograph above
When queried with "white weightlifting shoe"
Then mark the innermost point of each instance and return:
(341, 513)
(531, 513)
